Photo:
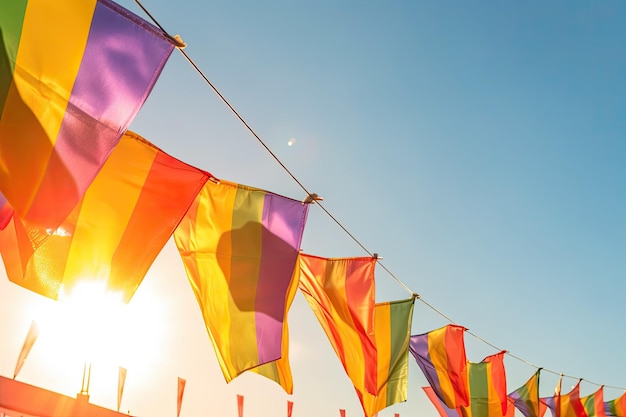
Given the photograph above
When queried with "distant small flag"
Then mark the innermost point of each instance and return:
(396, 415)
(121, 380)
(181, 392)
(342, 413)
(289, 408)
(240, 404)
(31, 337)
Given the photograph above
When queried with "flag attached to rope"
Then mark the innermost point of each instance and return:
(116, 231)
(341, 293)
(73, 75)
(616, 407)
(240, 248)
(392, 327)
(487, 388)
(29, 341)
(440, 355)
(594, 403)
(566, 405)
(526, 397)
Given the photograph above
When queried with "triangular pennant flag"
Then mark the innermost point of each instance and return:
(74, 75)
(342, 412)
(240, 405)
(112, 237)
(240, 248)
(289, 408)
(179, 397)
(29, 341)
(121, 380)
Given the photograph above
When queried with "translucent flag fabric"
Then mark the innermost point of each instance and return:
(440, 355)
(115, 232)
(240, 247)
(279, 370)
(341, 293)
(73, 75)
(392, 326)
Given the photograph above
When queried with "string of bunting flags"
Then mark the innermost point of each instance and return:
(65, 109)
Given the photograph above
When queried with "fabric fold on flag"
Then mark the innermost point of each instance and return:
(392, 327)
(616, 407)
(240, 247)
(487, 388)
(566, 405)
(116, 231)
(594, 403)
(74, 73)
(440, 355)
(526, 397)
(341, 293)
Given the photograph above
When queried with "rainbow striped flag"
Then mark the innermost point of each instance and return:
(240, 249)
(594, 403)
(440, 355)
(115, 232)
(616, 407)
(526, 397)
(392, 327)
(73, 75)
(566, 405)
(487, 388)
(341, 293)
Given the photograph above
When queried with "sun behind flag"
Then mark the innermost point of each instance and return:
(73, 75)
(116, 231)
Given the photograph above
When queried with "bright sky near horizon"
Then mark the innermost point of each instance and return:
(478, 147)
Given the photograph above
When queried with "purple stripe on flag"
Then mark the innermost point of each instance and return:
(123, 58)
(418, 346)
(283, 224)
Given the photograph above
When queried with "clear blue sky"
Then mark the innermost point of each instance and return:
(479, 147)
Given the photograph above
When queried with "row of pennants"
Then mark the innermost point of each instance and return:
(85, 199)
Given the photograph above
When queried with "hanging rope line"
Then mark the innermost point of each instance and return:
(180, 45)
